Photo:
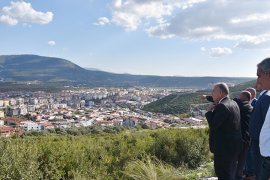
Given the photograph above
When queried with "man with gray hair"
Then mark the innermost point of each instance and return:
(225, 139)
(263, 80)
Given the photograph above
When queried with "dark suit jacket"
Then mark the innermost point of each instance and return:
(245, 113)
(258, 115)
(225, 130)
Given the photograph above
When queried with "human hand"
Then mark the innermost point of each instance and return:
(211, 107)
(203, 97)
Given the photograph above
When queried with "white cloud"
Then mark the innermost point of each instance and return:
(252, 18)
(240, 21)
(129, 21)
(117, 3)
(21, 11)
(102, 21)
(8, 20)
(130, 13)
(263, 44)
(217, 51)
(160, 31)
(51, 43)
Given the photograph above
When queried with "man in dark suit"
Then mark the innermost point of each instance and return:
(225, 137)
(245, 111)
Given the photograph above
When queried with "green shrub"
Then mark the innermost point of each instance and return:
(181, 147)
(101, 155)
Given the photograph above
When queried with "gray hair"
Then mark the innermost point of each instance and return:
(264, 65)
(223, 87)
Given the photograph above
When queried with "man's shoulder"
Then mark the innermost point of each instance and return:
(226, 103)
(265, 97)
(267, 94)
(230, 105)
(229, 101)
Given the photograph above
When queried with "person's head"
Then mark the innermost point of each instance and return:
(220, 90)
(263, 73)
(252, 92)
(245, 96)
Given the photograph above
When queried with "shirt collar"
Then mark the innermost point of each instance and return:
(222, 99)
(252, 100)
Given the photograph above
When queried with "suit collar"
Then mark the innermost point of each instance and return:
(226, 97)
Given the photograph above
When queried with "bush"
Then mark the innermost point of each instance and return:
(103, 155)
(181, 148)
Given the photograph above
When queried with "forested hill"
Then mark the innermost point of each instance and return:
(15, 68)
(180, 103)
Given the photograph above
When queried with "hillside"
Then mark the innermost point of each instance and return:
(180, 103)
(14, 68)
(47, 69)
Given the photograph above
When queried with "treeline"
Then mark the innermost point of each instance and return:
(125, 155)
(77, 131)
(47, 87)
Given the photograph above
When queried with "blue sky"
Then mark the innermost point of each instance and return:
(157, 37)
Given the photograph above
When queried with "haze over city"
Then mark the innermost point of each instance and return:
(157, 37)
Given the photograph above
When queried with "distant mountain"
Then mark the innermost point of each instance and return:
(47, 69)
(50, 69)
(180, 103)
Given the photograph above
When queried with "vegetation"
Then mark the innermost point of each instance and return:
(180, 103)
(175, 103)
(90, 130)
(235, 91)
(171, 153)
(153, 169)
(47, 87)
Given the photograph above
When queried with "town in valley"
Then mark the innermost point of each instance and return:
(76, 107)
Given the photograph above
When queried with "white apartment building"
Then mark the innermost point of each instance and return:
(29, 125)
(1, 123)
(12, 101)
(1, 103)
(20, 101)
(23, 110)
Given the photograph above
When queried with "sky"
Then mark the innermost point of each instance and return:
(148, 37)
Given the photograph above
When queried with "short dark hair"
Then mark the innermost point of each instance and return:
(223, 87)
(264, 65)
(247, 94)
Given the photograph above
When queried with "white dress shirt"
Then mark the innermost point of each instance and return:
(265, 136)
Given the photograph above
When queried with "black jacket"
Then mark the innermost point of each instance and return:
(225, 129)
(245, 113)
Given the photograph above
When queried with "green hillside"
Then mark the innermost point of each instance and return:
(180, 103)
(174, 103)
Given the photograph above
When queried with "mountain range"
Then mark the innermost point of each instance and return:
(14, 68)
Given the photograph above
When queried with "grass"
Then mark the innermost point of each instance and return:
(152, 169)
